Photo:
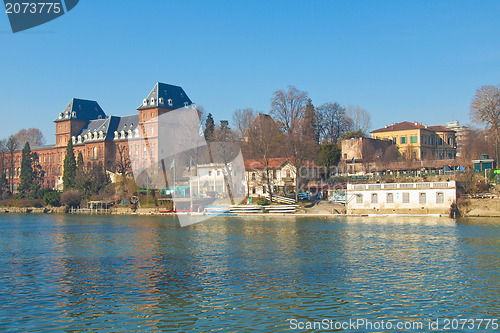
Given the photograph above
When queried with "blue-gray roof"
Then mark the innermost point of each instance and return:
(167, 96)
(108, 127)
(81, 109)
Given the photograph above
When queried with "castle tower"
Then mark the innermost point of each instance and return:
(74, 117)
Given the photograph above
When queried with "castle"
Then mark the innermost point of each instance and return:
(99, 137)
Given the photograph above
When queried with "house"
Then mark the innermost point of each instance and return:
(418, 142)
(401, 198)
(281, 173)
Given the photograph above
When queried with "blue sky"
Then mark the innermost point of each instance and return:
(400, 60)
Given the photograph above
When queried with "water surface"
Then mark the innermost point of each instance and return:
(115, 273)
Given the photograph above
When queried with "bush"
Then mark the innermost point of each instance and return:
(52, 198)
(263, 202)
(71, 198)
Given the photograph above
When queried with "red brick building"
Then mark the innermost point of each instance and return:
(97, 136)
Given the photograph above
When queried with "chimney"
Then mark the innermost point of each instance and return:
(385, 126)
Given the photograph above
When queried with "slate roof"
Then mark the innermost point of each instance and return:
(173, 97)
(81, 109)
(108, 126)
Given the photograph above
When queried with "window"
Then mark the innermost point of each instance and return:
(390, 198)
(395, 139)
(402, 140)
(253, 190)
(359, 198)
(274, 174)
(422, 198)
(440, 141)
(209, 173)
(219, 172)
(413, 139)
(440, 197)
(406, 197)
(374, 198)
(253, 177)
(264, 175)
(288, 173)
(345, 156)
(449, 141)
(414, 155)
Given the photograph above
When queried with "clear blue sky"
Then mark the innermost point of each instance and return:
(400, 60)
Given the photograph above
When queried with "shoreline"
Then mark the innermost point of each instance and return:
(59, 211)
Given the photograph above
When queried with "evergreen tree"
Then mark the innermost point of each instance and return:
(69, 167)
(31, 174)
(79, 162)
(330, 155)
(209, 127)
(311, 123)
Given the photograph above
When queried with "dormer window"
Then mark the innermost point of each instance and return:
(186, 103)
(101, 134)
(170, 101)
(152, 101)
(60, 115)
(160, 100)
(144, 102)
(73, 114)
(116, 135)
(79, 139)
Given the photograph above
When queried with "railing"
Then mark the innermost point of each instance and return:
(281, 199)
(426, 185)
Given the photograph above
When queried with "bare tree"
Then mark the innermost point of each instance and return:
(32, 135)
(332, 122)
(12, 145)
(287, 107)
(360, 119)
(123, 164)
(266, 141)
(242, 120)
(302, 147)
(485, 109)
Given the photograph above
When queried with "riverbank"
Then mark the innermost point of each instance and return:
(487, 207)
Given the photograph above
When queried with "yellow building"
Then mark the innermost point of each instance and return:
(416, 141)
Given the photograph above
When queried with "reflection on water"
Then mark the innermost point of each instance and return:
(87, 273)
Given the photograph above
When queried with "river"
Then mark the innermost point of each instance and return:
(129, 273)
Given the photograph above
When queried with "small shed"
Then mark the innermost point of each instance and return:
(483, 163)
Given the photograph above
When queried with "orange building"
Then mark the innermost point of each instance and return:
(98, 136)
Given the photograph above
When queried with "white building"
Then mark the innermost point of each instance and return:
(212, 179)
(401, 198)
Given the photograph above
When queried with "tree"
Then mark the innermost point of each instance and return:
(311, 121)
(485, 109)
(333, 122)
(353, 135)
(301, 147)
(242, 120)
(123, 164)
(31, 174)
(209, 127)
(31, 135)
(265, 141)
(330, 155)
(12, 146)
(359, 119)
(79, 162)
(287, 107)
(69, 167)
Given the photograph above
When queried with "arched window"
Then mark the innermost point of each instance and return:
(288, 173)
(253, 177)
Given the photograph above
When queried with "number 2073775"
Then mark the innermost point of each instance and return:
(33, 8)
